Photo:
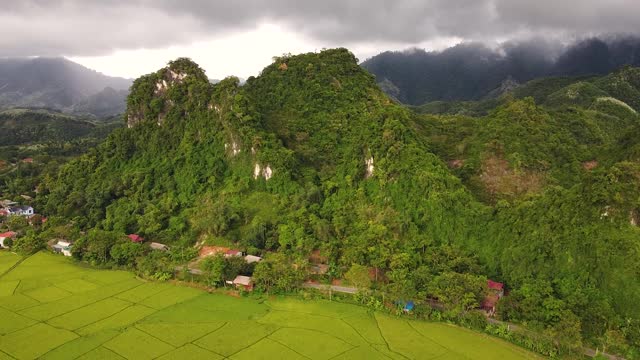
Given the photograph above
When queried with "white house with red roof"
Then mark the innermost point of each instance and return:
(232, 253)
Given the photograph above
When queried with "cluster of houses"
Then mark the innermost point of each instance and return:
(64, 246)
(11, 208)
(496, 289)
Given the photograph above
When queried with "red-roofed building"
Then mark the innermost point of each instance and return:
(496, 291)
(243, 282)
(496, 287)
(27, 160)
(136, 238)
(232, 253)
(6, 235)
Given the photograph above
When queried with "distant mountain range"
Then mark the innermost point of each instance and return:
(62, 85)
(472, 71)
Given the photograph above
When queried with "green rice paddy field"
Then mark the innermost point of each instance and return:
(53, 309)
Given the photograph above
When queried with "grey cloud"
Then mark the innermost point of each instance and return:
(95, 27)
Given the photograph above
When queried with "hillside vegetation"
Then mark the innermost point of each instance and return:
(35, 142)
(311, 155)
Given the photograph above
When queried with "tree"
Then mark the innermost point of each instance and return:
(234, 266)
(96, 246)
(17, 223)
(566, 331)
(278, 273)
(214, 215)
(156, 265)
(401, 285)
(8, 242)
(28, 244)
(125, 252)
(459, 293)
(358, 275)
(213, 268)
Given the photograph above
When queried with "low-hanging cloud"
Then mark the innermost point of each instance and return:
(98, 27)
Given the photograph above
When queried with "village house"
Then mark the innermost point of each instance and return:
(496, 287)
(496, 292)
(23, 210)
(63, 247)
(250, 259)
(243, 282)
(135, 238)
(232, 253)
(4, 236)
(158, 246)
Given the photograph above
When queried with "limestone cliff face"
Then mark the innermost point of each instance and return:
(154, 95)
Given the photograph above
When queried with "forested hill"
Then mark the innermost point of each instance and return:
(312, 155)
(26, 126)
(61, 85)
(471, 71)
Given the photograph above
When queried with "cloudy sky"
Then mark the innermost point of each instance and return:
(132, 37)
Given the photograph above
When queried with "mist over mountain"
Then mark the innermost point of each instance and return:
(471, 71)
(60, 84)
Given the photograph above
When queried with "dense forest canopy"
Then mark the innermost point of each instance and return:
(36, 142)
(312, 155)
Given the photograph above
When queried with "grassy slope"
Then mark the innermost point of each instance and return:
(58, 310)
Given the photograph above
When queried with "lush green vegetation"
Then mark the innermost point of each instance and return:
(34, 143)
(25, 126)
(311, 155)
(52, 309)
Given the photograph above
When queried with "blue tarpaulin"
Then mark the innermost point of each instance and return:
(409, 306)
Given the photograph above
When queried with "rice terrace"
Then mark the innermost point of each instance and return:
(53, 309)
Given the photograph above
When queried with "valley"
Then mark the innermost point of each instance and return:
(520, 208)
